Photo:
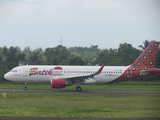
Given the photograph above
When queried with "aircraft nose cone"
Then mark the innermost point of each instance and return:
(6, 76)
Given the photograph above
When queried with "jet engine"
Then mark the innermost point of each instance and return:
(58, 83)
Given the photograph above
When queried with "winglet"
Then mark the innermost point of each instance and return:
(100, 70)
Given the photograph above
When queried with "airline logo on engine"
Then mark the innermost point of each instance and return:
(55, 71)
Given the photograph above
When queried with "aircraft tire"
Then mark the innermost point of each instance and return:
(78, 88)
(25, 88)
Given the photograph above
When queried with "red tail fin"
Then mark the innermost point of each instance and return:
(147, 58)
(144, 62)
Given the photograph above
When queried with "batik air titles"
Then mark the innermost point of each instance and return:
(62, 76)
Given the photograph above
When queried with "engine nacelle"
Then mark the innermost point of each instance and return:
(58, 83)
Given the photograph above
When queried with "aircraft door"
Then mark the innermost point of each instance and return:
(68, 72)
(25, 72)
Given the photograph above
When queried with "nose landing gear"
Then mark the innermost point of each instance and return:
(25, 86)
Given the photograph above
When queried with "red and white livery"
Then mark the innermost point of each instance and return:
(62, 76)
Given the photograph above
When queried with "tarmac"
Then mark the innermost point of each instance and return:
(82, 92)
(11, 118)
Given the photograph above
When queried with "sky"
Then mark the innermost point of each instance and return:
(106, 23)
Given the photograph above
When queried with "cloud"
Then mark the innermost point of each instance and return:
(35, 20)
(78, 11)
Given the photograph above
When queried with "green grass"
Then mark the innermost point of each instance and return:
(75, 106)
(87, 106)
(123, 86)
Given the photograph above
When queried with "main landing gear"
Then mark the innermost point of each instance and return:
(78, 88)
(25, 86)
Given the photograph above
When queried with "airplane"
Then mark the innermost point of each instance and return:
(62, 76)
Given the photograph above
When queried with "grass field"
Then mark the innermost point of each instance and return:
(75, 106)
(87, 106)
(132, 86)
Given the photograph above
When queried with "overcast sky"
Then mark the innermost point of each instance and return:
(106, 23)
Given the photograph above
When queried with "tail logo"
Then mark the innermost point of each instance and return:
(145, 61)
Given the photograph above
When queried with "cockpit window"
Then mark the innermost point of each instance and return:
(14, 70)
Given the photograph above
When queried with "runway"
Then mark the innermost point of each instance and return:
(82, 92)
(11, 118)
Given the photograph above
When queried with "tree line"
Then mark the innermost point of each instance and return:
(126, 54)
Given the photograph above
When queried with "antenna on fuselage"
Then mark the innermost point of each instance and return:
(61, 40)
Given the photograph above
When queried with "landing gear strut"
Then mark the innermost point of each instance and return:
(25, 86)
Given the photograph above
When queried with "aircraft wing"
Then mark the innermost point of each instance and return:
(81, 78)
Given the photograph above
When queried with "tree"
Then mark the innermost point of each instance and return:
(3, 70)
(87, 54)
(76, 61)
(35, 57)
(125, 55)
(56, 55)
(128, 53)
(146, 43)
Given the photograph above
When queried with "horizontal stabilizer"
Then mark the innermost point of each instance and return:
(145, 72)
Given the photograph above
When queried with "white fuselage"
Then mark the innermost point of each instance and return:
(39, 73)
